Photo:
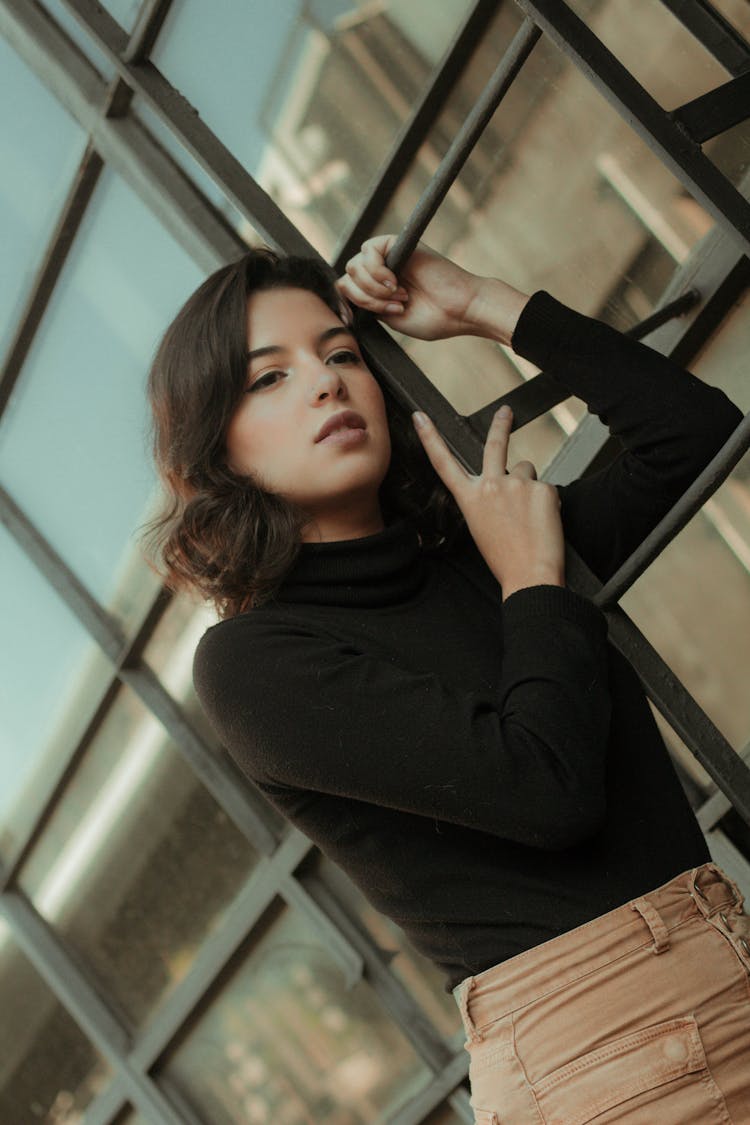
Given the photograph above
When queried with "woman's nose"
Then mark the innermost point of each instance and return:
(327, 380)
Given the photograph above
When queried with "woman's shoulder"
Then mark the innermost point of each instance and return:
(242, 637)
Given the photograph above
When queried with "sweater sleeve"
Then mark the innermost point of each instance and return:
(670, 423)
(302, 709)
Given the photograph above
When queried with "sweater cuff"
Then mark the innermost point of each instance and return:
(542, 326)
(552, 601)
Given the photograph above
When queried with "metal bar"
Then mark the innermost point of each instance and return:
(337, 943)
(411, 137)
(245, 807)
(220, 776)
(247, 907)
(718, 804)
(716, 111)
(46, 277)
(327, 888)
(714, 474)
(717, 34)
(576, 454)
(98, 623)
(109, 1106)
(519, 50)
(56, 783)
(185, 122)
(150, 20)
(431, 1096)
(682, 712)
(645, 116)
(730, 859)
(47, 954)
(539, 394)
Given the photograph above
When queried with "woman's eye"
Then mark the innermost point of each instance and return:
(346, 355)
(264, 380)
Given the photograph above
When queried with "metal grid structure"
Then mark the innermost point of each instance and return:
(697, 299)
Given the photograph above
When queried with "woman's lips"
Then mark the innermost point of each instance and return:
(345, 435)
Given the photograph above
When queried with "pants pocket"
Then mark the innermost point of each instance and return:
(658, 1073)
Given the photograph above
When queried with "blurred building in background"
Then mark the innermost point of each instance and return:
(170, 950)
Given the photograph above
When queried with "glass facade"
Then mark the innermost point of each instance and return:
(50, 1071)
(165, 936)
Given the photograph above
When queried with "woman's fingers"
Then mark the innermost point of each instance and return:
(385, 302)
(368, 278)
(451, 472)
(524, 469)
(495, 456)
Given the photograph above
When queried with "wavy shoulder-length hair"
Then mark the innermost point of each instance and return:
(219, 533)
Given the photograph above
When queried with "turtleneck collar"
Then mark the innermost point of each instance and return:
(374, 570)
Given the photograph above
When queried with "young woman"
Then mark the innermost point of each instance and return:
(402, 670)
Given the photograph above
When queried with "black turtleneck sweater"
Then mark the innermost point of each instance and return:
(489, 773)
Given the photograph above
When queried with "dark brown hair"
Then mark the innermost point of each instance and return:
(220, 533)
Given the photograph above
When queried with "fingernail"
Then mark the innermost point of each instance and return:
(419, 419)
(504, 411)
(389, 285)
(392, 307)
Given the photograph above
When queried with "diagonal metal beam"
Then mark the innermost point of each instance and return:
(220, 775)
(507, 69)
(185, 123)
(51, 960)
(679, 152)
(717, 34)
(691, 501)
(124, 144)
(539, 394)
(46, 277)
(716, 111)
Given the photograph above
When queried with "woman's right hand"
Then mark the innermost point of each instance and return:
(514, 519)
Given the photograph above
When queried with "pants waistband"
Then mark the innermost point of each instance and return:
(510, 985)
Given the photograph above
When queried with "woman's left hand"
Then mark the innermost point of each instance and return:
(432, 299)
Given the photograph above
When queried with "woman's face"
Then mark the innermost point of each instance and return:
(304, 367)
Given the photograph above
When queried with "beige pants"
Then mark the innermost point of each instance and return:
(641, 1016)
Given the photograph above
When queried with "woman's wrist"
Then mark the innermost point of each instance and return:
(495, 309)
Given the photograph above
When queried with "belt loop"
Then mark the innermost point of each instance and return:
(655, 923)
(463, 990)
(699, 896)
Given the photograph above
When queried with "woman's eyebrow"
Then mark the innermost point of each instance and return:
(272, 349)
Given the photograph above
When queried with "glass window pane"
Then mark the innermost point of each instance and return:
(170, 652)
(279, 106)
(286, 1043)
(51, 679)
(49, 1072)
(559, 194)
(737, 12)
(137, 863)
(420, 976)
(40, 149)
(709, 650)
(655, 46)
(73, 446)
(708, 565)
(72, 28)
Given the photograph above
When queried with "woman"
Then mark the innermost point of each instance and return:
(401, 669)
